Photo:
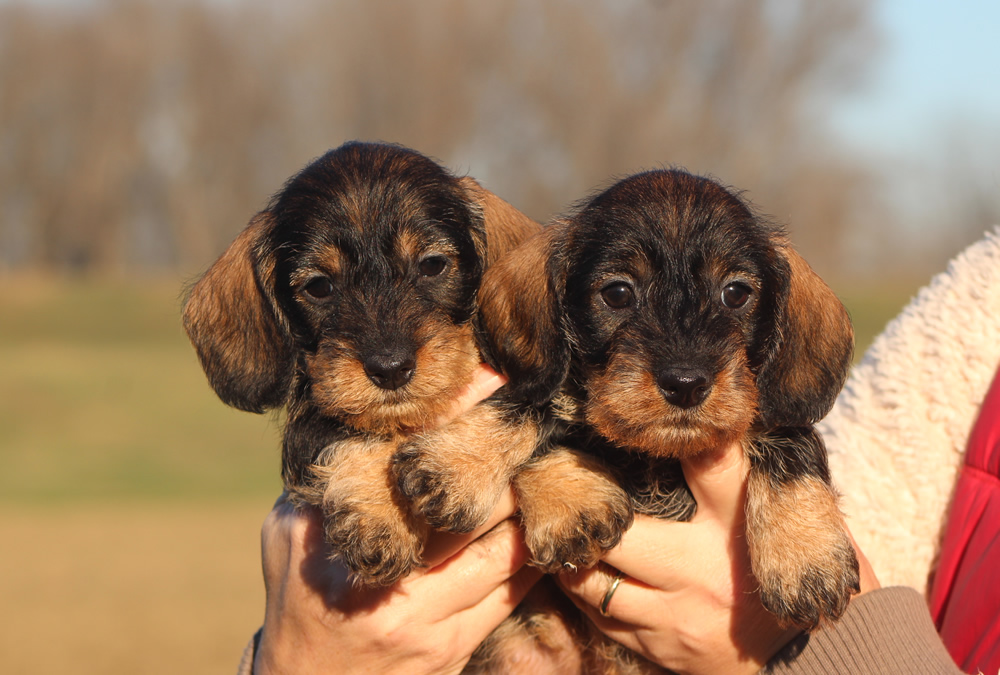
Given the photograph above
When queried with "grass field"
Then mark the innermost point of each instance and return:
(130, 497)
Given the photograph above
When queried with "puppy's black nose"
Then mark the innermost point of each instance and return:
(390, 370)
(684, 387)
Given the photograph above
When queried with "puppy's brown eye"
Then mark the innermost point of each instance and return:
(318, 288)
(432, 266)
(735, 295)
(617, 296)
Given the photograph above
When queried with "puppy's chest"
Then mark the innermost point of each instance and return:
(655, 485)
(568, 408)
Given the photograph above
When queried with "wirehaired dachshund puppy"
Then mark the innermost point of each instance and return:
(350, 301)
(669, 319)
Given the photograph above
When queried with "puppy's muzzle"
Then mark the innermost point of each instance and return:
(390, 370)
(684, 387)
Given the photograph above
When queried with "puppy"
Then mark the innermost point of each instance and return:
(350, 301)
(668, 319)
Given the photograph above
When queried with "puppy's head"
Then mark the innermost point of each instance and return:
(682, 317)
(355, 287)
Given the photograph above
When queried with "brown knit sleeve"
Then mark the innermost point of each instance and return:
(884, 631)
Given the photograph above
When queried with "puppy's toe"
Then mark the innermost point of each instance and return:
(566, 538)
(572, 509)
(376, 551)
(806, 593)
(454, 476)
(445, 497)
(800, 551)
(576, 546)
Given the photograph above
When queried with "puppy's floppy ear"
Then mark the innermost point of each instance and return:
(505, 226)
(520, 317)
(811, 354)
(241, 338)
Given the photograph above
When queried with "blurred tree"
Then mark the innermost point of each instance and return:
(135, 133)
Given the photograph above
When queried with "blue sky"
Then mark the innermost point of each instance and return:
(939, 67)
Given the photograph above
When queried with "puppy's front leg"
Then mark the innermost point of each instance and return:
(454, 475)
(572, 509)
(800, 551)
(367, 522)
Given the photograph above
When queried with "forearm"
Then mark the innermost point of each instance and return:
(885, 631)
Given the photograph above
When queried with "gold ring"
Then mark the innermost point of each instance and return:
(611, 591)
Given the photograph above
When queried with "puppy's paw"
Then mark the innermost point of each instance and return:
(800, 552)
(377, 549)
(572, 510)
(805, 592)
(454, 476)
(576, 540)
(448, 494)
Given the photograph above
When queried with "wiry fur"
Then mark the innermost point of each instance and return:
(350, 300)
(632, 353)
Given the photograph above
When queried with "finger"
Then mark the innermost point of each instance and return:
(626, 603)
(869, 582)
(717, 480)
(283, 528)
(479, 620)
(281, 500)
(442, 545)
(474, 573)
(289, 538)
(484, 382)
(652, 547)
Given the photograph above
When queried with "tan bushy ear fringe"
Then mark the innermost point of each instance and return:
(241, 339)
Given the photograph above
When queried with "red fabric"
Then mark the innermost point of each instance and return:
(965, 592)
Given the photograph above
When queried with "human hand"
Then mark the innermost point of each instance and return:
(317, 621)
(429, 622)
(689, 601)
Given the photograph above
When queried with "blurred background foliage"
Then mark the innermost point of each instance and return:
(138, 137)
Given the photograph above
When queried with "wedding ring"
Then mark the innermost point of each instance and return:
(611, 591)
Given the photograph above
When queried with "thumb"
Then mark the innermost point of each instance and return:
(717, 479)
(484, 382)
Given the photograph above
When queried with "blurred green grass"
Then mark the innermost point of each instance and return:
(872, 305)
(102, 397)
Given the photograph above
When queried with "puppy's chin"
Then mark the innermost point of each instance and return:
(445, 364)
(659, 439)
(625, 405)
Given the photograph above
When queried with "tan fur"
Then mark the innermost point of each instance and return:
(798, 545)
(797, 345)
(547, 636)
(444, 366)
(456, 474)
(572, 508)
(516, 302)
(252, 341)
(411, 246)
(367, 520)
(506, 226)
(539, 638)
(627, 407)
(327, 260)
(816, 326)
